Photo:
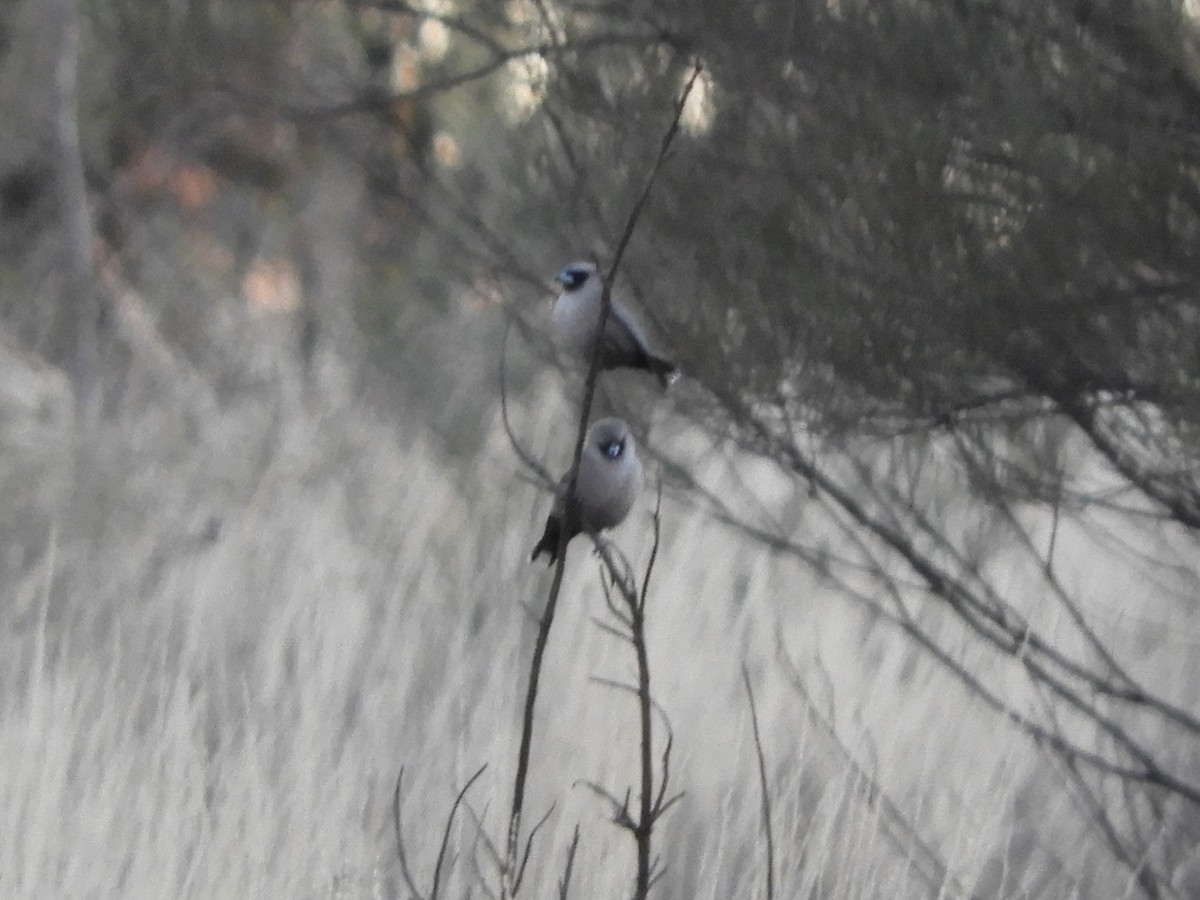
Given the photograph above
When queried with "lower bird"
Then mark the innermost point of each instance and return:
(576, 319)
(610, 479)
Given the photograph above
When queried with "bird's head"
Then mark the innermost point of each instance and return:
(576, 275)
(612, 438)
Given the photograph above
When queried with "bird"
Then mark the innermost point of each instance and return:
(610, 478)
(576, 317)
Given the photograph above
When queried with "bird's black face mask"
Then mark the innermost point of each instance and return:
(572, 279)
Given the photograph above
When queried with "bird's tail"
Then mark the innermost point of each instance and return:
(549, 542)
(664, 369)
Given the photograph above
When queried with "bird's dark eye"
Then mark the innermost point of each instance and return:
(613, 449)
(572, 278)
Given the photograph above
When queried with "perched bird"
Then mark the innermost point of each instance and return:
(576, 317)
(610, 478)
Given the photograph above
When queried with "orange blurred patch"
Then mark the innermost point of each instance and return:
(271, 286)
(193, 185)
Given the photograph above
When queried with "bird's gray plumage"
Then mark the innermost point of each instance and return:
(610, 479)
(576, 318)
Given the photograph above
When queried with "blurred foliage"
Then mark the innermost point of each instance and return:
(900, 209)
(890, 217)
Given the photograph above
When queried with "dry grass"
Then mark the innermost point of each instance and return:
(196, 717)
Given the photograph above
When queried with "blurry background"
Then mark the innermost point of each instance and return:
(931, 476)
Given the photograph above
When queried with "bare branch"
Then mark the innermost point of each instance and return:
(437, 868)
(762, 781)
(564, 883)
(404, 870)
(996, 625)
(527, 459)
(657, 519)
(609, 629)
(620, 812)
(529, 848)
(492, 850)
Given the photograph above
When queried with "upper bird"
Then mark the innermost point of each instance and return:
(576, 317)
(610, 478)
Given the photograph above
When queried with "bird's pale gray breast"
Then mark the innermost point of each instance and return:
(607, 488)
(574, 320)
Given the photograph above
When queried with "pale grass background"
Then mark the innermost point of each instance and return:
(224, 716)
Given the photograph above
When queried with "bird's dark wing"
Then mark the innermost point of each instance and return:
(623, 337)
(625, 345)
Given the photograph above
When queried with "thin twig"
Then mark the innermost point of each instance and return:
(660, 805)
(646, 809)
(527, 458)
(437, 868)
(522, 774)
(762, 781)
(657, 520)
(994, 625)
(529, 848)
(620, 813)
(564, 884)
(492, 850)
(404, 870)
(632, 690)
(481, 837)
(612, 630)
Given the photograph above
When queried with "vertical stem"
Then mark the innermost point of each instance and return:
(648, 807)
(645, 823)
(762, 783)
(79, 289)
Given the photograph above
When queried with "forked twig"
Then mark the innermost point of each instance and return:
(437, 869)
(441, 857)
(493, 851)
(529, 848)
